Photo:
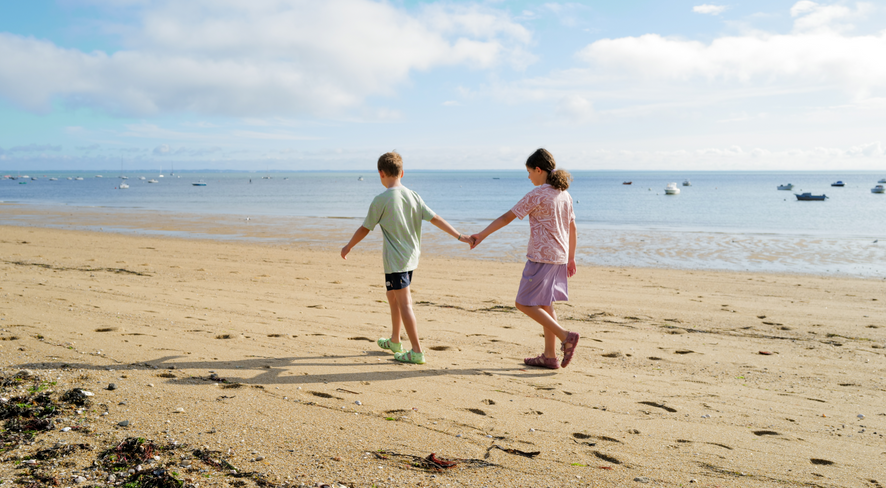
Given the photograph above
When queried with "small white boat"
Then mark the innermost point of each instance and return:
(672, 189)
(199, 183)
(98, 176)
(787, 187)
(79, 178)
(53, 179)
(25, 177)
(153, 181)
(69, 178)
(687, 183)
(141, 178)
(878, 189)
(123, 186)
(882, 180)
(361, 178)
(124, 177)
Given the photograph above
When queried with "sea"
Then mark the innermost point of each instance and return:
(736, 221)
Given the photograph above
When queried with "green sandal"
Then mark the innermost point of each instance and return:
(389, 345)
(410, 357)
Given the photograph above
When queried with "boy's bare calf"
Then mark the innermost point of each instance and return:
(403, 317)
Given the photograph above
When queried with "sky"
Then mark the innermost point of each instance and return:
(331, 85)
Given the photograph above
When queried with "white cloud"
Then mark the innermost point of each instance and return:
(709, 9)
(575, 108)
(275, 57)
(818, 53)
(814, 17)
(161, 150)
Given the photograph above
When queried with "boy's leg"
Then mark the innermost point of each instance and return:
(396, 317)
(406, 315)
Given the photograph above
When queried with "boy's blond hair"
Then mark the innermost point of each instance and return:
(391, 164)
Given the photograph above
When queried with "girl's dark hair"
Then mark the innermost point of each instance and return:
(543, 159)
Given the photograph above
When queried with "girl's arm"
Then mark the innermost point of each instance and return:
(446, 227)
(361, 233)
(496, 224)
(571, 269)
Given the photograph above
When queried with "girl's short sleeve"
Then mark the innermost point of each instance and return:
(526, 204)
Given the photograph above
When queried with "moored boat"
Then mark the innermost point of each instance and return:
(626, 182)
(123, 186)
(788, 187)
(153, 181)
(882, 180)
(807, 197)
(672, 189)
(687, 183)
(878, 189)
(199, 183)
(838, 183)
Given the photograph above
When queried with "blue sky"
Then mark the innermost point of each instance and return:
(301, 84)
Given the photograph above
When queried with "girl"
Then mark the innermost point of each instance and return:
(551, 253)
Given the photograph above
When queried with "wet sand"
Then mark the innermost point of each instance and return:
(681, 377)
(794, 253)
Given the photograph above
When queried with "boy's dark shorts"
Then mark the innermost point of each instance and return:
(398, 281)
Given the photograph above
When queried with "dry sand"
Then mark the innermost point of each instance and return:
(669, 387)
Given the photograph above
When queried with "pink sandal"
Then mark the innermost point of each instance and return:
(541, 361)
(568, 347)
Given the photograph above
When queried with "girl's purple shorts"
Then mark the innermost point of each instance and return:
(542, 284)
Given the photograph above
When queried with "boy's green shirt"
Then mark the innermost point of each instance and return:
(400, 212)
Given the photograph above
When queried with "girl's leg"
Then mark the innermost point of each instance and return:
(406, 315)
(545, 316)
(550, 337)
(396, 321)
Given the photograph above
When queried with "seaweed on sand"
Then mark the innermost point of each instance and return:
(432, 462)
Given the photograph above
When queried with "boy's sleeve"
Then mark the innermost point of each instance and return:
(426, 212)
(525, 205)
(373, 217)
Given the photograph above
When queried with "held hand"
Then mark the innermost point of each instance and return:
(344, 252)
(571, 269)
(477, 239)
(466, 239)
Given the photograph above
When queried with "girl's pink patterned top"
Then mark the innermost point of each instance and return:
(550, 213)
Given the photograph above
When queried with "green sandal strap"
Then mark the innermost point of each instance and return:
(386, 343)
(410, 357)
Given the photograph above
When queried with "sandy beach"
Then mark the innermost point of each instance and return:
(263, 354)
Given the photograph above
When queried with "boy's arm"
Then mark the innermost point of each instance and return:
(446, 227)
(571, 269)
(496, 224)
(361, 233)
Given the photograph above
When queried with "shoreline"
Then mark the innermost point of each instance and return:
(802, 255)
(724, 378)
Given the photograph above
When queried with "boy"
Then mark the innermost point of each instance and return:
(400, 212)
